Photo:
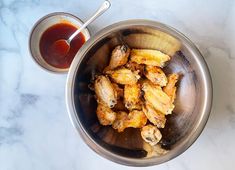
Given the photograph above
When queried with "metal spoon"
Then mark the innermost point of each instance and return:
(62, 46)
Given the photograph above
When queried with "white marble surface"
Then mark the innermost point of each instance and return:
(35, 131)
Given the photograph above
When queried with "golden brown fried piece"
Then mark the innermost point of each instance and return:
(120, 121)
(149, 57)
(156, 75)
(123, 76)
(105, 92)
(139, 68)
(155, 150)
(157, 98)
(136, 119)
(170, 88)
(119, 57)
(120, 106)
(119, 90)
(151, 134)
(155, 117)
(132, 96)
(105, 115)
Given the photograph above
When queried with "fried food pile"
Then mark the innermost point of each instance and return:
(133, 91)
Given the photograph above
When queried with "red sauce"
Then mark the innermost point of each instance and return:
(57, 32)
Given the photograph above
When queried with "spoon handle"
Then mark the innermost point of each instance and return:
(106, 4)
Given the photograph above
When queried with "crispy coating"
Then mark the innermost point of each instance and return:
(155, 150)
(155, 117)
(119, 56)
(149, 57)
(151, 134)
(119, 90)
(136, 119)
(120, 106)
(156, 75)
(139, 68)
(157, 98)
(105, 92)
(170, 88)
(105, 115)
(120, 121)
(123, 76)
(132, 96)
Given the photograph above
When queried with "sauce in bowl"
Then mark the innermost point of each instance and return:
(57, 32)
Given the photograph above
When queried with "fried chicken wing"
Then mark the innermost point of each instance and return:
(170, 88)
(132, 96)
(105, 92)
(123, 76)
(134, 92)
(155, 150)
(119, 90)
(136, 67)
(157, 98)
(136, 119)
(156, 75)
(155, 117)
(120, 122)
(151, 134)
(119, 57)
(105, 115)
(120, 106)
(149, 57)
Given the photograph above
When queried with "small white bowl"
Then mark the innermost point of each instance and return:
(41, 26)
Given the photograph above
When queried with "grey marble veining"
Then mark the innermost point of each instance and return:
(35, 131)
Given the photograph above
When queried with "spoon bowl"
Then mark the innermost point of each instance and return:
(59, 48)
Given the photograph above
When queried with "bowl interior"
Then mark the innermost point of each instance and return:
(41, 26)
(189, 103)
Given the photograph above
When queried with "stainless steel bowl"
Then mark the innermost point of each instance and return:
(193, 102)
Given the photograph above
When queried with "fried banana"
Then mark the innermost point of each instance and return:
(132, 96)
(156, 75)
(105, 92)
(123, 76)
(105, 115)
(149, 57)
(157, 98)
(155, 117)
(170, 88)
(151, 134)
